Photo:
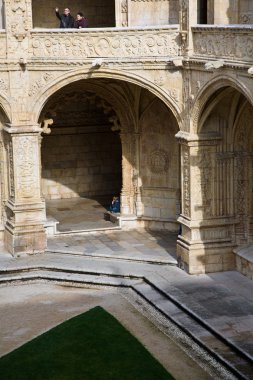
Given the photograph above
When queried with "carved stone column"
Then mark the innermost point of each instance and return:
(127, 192)
(206, 240)
(137, 180)
(24, 229)
(188, 17)
(121, 10)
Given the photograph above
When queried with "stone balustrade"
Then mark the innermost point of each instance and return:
(231, 43)
(119, 43)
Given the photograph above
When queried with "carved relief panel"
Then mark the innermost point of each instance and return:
(18, 23)
(25, 167)
(186, 177)
(202, 180)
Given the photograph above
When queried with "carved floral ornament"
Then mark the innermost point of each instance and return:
(223, 44)
(118, 45)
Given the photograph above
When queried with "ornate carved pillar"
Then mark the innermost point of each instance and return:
(127, 192)
(206, 241)
(24, 230)
(18, 21)
(137, 180)
(121, 7)
(188, 17)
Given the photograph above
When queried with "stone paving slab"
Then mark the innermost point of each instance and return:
(79, 213)
(138, 245)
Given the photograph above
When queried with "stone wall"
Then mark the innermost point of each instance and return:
(159, 163)
(161, 12)
(87, 164)
(100, 13)
(246, 12)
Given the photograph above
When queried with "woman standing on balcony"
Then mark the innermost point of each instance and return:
(81, 21)
(66, 20)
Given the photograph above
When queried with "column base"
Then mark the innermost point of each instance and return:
(27, 240)
(202, 258)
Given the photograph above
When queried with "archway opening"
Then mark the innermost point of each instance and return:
(228, 117)
(202, 12)
(81, 158)
(110, 138)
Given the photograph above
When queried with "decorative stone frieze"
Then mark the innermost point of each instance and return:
(40, 83)
(127, 44)
(229, 43)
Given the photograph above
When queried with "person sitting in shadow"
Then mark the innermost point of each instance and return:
(115, 205)
(81, 21)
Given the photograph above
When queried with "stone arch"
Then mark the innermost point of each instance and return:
(210, 89)
(5, 110)
(114, 98)
(123, 96)
(226, 120)
(73, 76)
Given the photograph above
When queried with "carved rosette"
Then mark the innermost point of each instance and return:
(159, 161)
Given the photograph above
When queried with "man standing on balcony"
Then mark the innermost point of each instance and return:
(66, 20)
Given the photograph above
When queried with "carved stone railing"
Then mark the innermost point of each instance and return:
(118, 43)
(231, 43)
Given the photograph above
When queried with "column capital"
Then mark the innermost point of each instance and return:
(22, 128)
(195, 140)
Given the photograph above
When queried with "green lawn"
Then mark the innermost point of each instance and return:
(91, 346)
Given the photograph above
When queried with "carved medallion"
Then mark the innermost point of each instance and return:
(159, 162)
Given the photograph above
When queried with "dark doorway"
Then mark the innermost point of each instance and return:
(202, 11)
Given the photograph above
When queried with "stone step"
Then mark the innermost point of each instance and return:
(229, 354)
(244, 260)
(88, 231)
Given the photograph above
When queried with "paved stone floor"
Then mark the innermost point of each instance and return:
(77, 214)
(222, 301)
(138, 245)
